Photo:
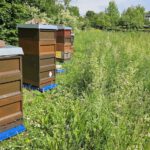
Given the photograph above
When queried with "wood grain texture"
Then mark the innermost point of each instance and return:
(10, 92)
(63, 40)
(47, 49)
(63, 47)
(64, 33)
(40, 49)
(35, 68)
(9, 64)
(10, 125)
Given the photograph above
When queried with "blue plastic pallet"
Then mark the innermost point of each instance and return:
(43, 89)
(60, 70)
(11, 132)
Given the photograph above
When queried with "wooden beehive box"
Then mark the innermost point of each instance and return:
(11, 112)
(64, 31)
(64, 47)
(39, 46)
(2, 43)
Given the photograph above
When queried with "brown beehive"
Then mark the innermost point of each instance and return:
(2, 43)
(39, 46)
(64, 47)
(11, 112)
(72, 42)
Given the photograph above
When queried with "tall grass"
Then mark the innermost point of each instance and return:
(102, 102)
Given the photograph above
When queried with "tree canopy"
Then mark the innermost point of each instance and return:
(133, 17)
(113, 13)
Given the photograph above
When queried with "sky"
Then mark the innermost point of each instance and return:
(100, 5)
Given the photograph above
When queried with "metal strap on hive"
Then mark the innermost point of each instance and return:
(2, 43)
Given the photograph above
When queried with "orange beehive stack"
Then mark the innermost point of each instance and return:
(64, 46)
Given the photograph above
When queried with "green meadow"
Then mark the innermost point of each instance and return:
(102, 101)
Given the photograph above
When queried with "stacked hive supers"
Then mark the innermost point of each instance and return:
(64, 47)
(10, 89)
(39, 45)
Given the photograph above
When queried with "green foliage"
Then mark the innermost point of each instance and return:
(66, 3)
(92, 17)
(133, 17)
(65, 18)
(103, 20)
(113, 13)
(102, 101)
(74, 11)
(11, 14)
(50, 7)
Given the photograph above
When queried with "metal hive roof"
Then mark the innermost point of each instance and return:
(10, 50)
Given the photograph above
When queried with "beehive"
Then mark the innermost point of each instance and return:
(2, 44)
(72, 42)
(64, 47)
(39, 45)
(11, 111)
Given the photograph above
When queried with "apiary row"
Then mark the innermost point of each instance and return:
(33, 63)
(42, 45)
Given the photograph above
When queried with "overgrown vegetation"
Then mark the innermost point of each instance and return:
(102, 101)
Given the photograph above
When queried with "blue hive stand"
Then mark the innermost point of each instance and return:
(60, 71)
(11, 132)
(42, 90)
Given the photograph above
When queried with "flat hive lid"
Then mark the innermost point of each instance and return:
(37, 26)
(10, 51)
(64, 28)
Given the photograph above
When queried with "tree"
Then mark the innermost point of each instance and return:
(50, 7)
(103, 20)
(74, 11)
(113, 13)
(133, 17)
(90, 14)
(66, 3)
(65, 18)
(92, 17)
(11, 14)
